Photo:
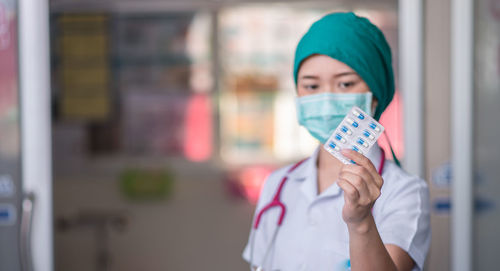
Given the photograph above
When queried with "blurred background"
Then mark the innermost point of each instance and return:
(137, 135)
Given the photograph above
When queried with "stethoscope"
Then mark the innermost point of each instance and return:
(276, 202)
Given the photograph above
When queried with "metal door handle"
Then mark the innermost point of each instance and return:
(26, 228)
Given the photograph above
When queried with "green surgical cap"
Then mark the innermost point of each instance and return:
(359, 44)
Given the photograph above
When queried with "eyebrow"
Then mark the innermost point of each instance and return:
(309, 77)
(345, 73)
(336, 75)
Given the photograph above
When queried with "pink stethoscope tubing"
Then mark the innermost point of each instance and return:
(276, 202)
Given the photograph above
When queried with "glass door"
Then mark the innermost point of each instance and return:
(486, 152)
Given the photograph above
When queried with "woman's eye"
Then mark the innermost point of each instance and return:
(311, 87)
(346, 84)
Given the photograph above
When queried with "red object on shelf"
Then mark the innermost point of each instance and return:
(252, 179)
(247, 182)
(198, 128)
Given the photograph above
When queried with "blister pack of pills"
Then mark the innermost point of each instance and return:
(357, 131)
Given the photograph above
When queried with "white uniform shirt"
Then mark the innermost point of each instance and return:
(314, 236)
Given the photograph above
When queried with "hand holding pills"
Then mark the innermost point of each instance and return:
(361, 184)
(358, 178)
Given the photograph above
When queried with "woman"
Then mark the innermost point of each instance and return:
(370, 215)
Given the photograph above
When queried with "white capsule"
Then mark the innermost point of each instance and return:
(346, 130)
(352, 122)
(357, 149)
(374, 127)
(358, 114)
(340, 138)
(362, 142)
(368, 135)
(334, 146)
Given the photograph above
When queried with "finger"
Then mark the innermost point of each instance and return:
(350, 192)
(358, 170)
(374, 184)
(379, 181)
(374, 179)
(365, 193)
(363, 161)
(359, 159)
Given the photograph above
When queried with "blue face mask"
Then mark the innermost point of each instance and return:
(321, 113)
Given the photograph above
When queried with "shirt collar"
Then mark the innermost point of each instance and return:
(307, 168)
(307, 174)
